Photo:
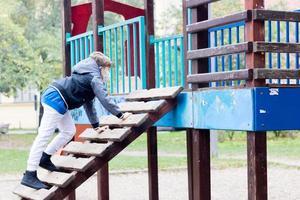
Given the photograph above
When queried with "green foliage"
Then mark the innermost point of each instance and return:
(30, 40)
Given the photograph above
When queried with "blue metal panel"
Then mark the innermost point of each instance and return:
(227, 109)
(79, 115)
(277, 108)
(182, 115)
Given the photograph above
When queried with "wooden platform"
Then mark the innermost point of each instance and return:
(82, 160)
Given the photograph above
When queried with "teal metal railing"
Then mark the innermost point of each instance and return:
(124, 43)
(80, 46)
(169, 61)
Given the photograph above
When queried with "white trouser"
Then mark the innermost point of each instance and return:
(50, 121)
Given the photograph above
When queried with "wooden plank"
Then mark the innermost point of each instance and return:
(260, 14)
(276, 47)
(114, 135)
(141, 107)
(55, 178)
(33, 194)
(196, 3)
(154, 94)
(243, 74)
(87, 149)
(219, 51)
(276, 73)
(220, 21)
(71, 163)
(132, 121)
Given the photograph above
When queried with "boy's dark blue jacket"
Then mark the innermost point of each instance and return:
(82, 87)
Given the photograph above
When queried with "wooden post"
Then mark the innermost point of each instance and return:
(151, 132)
(198, 141)
(66, 28)
(256, 141)
(98, 19)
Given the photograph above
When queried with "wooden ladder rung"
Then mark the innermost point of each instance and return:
(154, 94)
(72, 163)
(87, 149)
(60, 179)
(113, 135)
(141, 107)
(132, 121)
(33, 194)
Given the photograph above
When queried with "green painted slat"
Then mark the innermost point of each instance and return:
(170, 62)
(76, 52)
(72, 53)
(163, 63)
(142, 38)
(116, 59)
(86, 47)
(182, 62)
(110, 56)
(81, 51)
(128, 58)
(91, 44)
(123, 58)
(176, 61)
(104, 42)
(135, 56)
(89, 33)
(157, 77)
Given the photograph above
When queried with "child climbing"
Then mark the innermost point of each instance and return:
(85, 83)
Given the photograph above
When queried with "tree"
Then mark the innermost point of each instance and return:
(15, 58)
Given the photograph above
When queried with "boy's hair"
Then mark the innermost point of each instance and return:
(101, 59)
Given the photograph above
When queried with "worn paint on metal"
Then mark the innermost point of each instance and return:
(227, 109)
(182, 115)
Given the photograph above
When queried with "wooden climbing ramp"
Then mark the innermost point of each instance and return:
(80, 160)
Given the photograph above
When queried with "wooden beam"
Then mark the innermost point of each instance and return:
(260, 14)
(66, 29)
(98, 19)
(219, 51)
(276, 47)
(243, 74)
(196, 3)
(149, 28)
(203, 25)
(257, 165)
(276, 74)
(152, 163)
(185, 41)
(256, 141)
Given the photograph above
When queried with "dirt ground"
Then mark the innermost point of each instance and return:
(227, 184)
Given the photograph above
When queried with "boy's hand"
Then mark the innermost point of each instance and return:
(101, 129)
(125, 115)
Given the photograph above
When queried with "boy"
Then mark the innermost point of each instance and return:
(85, 83)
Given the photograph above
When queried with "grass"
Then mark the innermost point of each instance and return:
(14, 151)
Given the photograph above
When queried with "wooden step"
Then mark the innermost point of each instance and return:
(154, 94)
(141, 107)
(114, 135)
(87, 149)
(132, 121)
(72, 163)
(33, 194)
(55, 178)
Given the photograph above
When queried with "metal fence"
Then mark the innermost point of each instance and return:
(124, 43)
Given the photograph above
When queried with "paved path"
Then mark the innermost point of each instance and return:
(227, 184)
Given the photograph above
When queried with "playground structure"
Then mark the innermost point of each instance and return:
(220, 62)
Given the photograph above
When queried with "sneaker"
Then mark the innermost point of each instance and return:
(30, 179)
(47, 164)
